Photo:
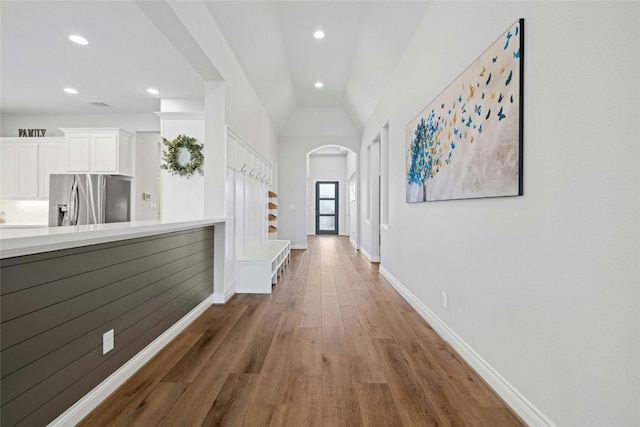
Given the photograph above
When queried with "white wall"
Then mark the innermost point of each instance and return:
(307, 129)
(182, 197)
(543, 289)
(10, 123)
(147, 173)
(327, 168)
(352, 171)
(243, 110)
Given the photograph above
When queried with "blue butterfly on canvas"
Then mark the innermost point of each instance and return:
(516, 54)
(501, 115)
(509, 78)
(509, 35)
(488, 114)
(500, 98)
(489, 79)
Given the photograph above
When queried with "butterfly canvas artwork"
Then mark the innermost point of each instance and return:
(456, 147)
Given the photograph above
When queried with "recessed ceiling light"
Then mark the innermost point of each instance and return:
(153, 91)
(319, 34)
(78, 39)
(70, 90)
(319, 85)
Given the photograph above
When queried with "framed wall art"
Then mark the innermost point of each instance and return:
(467, 143)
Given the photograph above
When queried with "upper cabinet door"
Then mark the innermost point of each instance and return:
(104, 153)
(8, 169)
(27, 171)
(51, 160)
(99, 150)
(78, 152)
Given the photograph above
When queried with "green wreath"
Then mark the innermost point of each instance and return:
(183, 156)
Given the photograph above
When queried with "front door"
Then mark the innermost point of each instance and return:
(327, 207)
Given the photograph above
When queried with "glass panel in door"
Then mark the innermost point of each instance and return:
(327, 207)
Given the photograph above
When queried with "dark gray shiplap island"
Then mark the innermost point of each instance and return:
(62, 288)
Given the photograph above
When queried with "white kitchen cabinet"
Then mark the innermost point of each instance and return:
(51, 160)
(99, 150)
(19, 170)
(8, 169)
(27, 171)
(78, 149)
(26, 164)
(19, 174)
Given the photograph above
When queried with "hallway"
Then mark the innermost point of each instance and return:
(334, 344)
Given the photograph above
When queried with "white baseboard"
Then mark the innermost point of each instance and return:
(368, 256)
(91, 400)
(220, 298)
(299, 246)
(353, 243)
(523, 407)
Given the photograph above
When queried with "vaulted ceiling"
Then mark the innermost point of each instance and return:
(272, 40)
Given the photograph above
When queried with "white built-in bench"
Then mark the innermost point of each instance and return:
(260, 267)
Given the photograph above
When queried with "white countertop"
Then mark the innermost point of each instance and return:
(26, 241)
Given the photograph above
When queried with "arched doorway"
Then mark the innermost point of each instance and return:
(331, 196)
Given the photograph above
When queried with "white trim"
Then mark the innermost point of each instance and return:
(368, 256)
(385, 226)
(299, 246)
(353, 242)
(520, 404)
(180, 115)
(91, 400)
(220, 298)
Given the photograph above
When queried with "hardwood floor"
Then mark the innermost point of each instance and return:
(334, 344)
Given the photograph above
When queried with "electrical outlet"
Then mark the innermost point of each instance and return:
(443, 299)
(107, 342)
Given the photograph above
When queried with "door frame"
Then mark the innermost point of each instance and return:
(337, 210)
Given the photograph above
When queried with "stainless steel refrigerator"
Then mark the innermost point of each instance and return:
(76, 199)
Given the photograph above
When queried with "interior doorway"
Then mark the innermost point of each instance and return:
(327, 196)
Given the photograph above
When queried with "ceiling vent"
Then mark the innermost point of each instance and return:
(99, 104)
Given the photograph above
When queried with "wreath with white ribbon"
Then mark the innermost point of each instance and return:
(182, 156)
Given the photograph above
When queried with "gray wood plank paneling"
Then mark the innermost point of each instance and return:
(22, 302)
(83, 385)
(57, 265)
(56, 306)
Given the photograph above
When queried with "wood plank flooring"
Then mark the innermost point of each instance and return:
(333, 345)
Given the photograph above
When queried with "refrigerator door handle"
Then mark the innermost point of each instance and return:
(100, 199)
(74, 206)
